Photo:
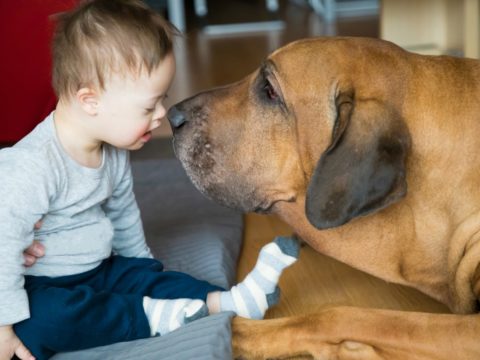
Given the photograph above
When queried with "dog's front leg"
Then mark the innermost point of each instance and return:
(360, 334)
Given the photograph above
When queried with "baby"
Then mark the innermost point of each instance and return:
(98, 282)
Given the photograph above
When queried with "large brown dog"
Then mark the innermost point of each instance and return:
(372, 155)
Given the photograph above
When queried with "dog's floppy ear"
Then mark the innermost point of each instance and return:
(363, 169)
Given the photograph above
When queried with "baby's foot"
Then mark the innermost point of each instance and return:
(259, 290)
(164, 316)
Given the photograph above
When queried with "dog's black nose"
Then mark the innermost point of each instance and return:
(176, 117)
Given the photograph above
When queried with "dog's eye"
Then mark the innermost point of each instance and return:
(270, 91)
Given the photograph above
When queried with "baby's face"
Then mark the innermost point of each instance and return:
(131, 107)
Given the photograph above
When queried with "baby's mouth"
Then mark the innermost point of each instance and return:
(146, 137)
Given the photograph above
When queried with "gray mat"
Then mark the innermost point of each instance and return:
(187, 233)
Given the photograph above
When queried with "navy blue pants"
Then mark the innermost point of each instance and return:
(99, 307)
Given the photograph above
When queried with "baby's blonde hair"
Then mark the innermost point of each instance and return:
(102, 37)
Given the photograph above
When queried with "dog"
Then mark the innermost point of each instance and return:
(372, 155)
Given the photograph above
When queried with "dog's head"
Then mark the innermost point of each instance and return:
(319, 117)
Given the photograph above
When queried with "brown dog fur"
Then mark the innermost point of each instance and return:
(372, 155)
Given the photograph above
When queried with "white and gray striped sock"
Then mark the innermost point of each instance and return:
(164, 316)
(259, 290)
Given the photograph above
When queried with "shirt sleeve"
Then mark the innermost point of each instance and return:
(122, 210)
(24, 190)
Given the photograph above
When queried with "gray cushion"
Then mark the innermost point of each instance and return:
(188, 233)
(205, 339)
(185, 230)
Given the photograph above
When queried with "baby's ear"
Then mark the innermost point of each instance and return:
(88, 100)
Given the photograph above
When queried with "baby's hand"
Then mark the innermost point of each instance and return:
(34, 251)
(11, 345)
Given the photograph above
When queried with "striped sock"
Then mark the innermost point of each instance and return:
(165, 316)
(254, 295)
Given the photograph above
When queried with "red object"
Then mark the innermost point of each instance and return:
(26, 94)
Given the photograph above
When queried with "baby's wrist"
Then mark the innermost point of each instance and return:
(5, 328)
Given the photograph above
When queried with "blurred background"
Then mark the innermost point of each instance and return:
(224, 40)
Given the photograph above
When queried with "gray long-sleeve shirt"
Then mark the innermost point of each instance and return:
(86, 214)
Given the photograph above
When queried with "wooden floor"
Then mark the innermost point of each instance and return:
(316, 281)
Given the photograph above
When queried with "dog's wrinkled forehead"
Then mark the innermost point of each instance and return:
(305, 75)
(308, 92)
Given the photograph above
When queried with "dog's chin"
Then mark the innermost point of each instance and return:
(215, 181)
(227, 193)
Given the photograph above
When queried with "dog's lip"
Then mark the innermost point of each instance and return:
(263, 211)
(268, 206)
(265, 208)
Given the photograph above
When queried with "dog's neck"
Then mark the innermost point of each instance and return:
(395, 253)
